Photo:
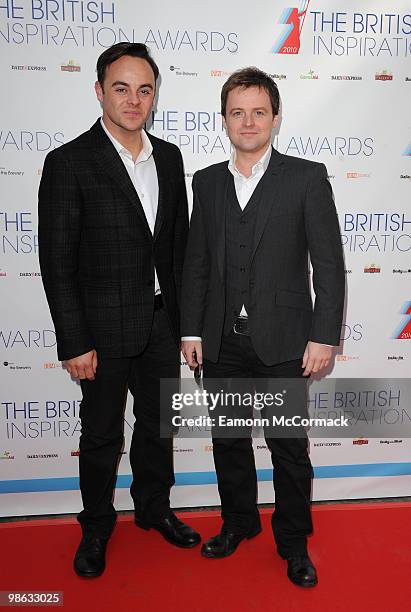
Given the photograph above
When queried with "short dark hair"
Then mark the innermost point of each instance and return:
(118, 50)
(251, 77)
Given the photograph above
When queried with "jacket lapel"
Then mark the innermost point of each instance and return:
(161, 165)
(110, 161)
(220, 205)
(270, 195)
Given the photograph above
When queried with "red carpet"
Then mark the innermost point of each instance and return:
(362, 553)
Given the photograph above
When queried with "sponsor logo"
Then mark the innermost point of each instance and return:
(292, 19)
(7, 455)
(398, 271)
(345, 77)
(51, 365)
(311, 75)
(360, 441)
(403, 332)
(346, 358)
(5, 172)
(15, 367)
(348, 271)
(356, 175)
(395, 358)
(261, 447)
(405, 176)
(331, 177)
(25, 67)
(179, 72)
(372, 269)
(390, 441)
(208, 448)
(327, 444)
(220, 73)
(278, 77)
(43, 456)
(75, 453)
(2, 273)
(30, 274)
(176, 449)
(408, 78)
(384, 75)
(70, 66)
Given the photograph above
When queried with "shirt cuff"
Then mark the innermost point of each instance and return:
(187, 338)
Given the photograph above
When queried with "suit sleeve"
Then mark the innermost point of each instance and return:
(180, 228)
(195, 272)
(326, 254)
(60, 225)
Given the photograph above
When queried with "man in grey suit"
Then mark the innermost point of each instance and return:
(246, 304)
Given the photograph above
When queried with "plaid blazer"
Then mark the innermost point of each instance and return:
(97, 253)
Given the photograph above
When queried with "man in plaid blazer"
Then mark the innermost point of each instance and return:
(113, 224)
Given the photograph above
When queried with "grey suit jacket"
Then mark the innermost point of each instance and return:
(296, 218)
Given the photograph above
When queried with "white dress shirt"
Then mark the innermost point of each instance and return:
(143, 175)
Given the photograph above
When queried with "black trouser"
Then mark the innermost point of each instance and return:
(102, 433)
(235, 465)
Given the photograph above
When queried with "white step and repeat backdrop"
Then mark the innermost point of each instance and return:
(344, 74)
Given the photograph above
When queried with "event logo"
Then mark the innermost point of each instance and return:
(408, 150)
(384, 75)
(70, 66)
(403, 332)
(292, 19)
(372, 269)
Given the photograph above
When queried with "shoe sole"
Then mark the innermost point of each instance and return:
(148, 527)
(84, 575)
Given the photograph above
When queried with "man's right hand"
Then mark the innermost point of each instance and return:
(83, 366)
(193, 353)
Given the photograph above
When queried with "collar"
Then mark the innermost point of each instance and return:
(145, 152)
(260, 166)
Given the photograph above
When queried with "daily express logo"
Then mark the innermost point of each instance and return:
(292, 18)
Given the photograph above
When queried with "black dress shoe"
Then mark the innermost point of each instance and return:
(301, 571)
(226, 542)
(173, 530)
(90, 558)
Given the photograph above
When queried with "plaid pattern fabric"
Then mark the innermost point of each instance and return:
(97, 253)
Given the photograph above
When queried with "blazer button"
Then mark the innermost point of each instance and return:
(150, 283)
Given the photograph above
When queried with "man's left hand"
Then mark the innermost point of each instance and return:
(316, 357)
